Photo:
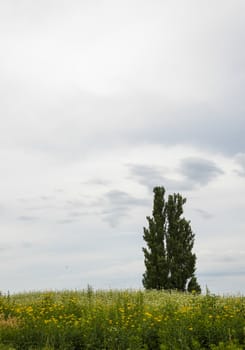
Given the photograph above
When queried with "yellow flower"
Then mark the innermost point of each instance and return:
(29, 309)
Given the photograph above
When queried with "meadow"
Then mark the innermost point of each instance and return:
(121, 320)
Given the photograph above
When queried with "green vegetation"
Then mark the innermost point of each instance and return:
(169, 261)
(121, 320)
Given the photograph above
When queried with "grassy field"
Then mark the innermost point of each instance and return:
(121, 320)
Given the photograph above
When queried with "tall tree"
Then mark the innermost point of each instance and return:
(156, 273)
(169, 261)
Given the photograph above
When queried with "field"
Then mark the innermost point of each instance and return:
(121, 320)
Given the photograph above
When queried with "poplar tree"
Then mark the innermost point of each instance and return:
(169, 261)
(156, 274)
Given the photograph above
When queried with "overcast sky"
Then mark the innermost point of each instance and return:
(100, 101)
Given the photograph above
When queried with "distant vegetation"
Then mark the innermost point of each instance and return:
(121, 320)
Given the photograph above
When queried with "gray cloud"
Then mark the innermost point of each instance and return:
(194, 171)
(196, 125)
(77, 214)
(2, 209)
(47, 198)
(97, 182)
(27, 218)
(76, 203)
(4, 247)
(26, 244)
(148, 176)
(151, 176)
(200, 171)
(240, 159)
(119, 204)
(200, 125)
(66, 221)
(204, 214)
(121, 198)
(180, 93)
(114, 216)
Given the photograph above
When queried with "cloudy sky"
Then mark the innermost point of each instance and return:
(101, 100)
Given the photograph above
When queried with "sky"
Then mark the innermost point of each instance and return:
(100, 101)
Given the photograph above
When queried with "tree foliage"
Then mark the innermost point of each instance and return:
(169, 261)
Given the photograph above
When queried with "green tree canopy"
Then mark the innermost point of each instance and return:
(169, 261)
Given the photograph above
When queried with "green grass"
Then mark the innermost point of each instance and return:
(121, 320)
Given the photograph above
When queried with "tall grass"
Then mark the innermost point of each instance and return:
(121, 320)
